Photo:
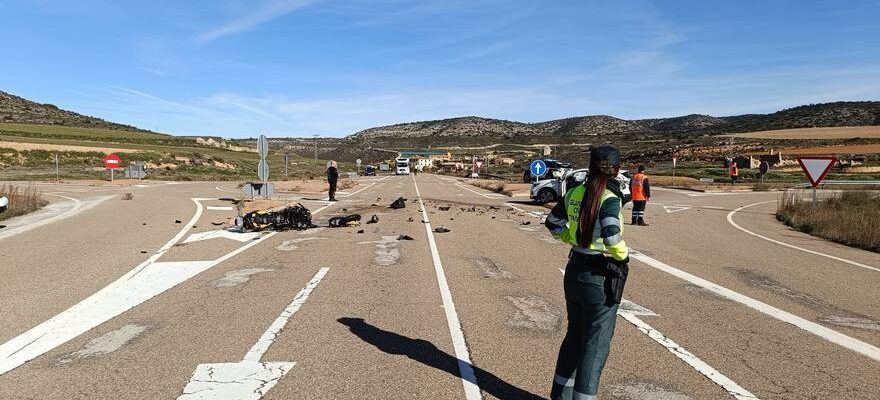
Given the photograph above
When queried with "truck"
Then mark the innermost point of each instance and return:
(553, 188)
(4, 204)
(402, 166)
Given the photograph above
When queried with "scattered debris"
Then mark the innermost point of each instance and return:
(399, 203)
(493, 208)
(348, 220)
(344, 210)
(177, 221)
(441, 229)
(404, 237)
(360, 231)
(410, 219)
(144, 224)
(127, 196)
(374, 219)
(296, 217)
(526, 223)
(143, 252)
(215, 223)
(444, 208)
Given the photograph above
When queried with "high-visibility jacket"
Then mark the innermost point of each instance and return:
(640, 187)
(734, 170)
(607, 236)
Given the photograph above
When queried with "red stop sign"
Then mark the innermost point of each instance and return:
(112, 161)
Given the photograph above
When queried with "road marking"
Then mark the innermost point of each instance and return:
(488, 196)
(532, 213)
(629, 311)
(147, 280)
(737, 226)
(224, 234)
(45, 217)
(828, 334)
(465, 366)
(673, 209)
(367, 187)
(220, 208)
(250, 378)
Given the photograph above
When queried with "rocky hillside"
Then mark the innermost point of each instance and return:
(14, 109)
(816, 115)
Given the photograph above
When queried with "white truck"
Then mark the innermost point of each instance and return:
(4, 204)
(402, 167)
(553, 188)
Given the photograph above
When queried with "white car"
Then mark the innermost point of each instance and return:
(553, 189)
(4, 204)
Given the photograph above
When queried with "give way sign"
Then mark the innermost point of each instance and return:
(816, 167)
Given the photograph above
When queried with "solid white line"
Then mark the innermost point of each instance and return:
(462, 185)
(367, 187)
(262, 346)
(689, 358)
(735, 225)
(219, 208)
(77, 208)
(828, 334)
(532, 213)
(465, 367)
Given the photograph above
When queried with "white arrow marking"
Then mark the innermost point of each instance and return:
(222, 233)
(629, 311)
(672, 209)
(249, 379)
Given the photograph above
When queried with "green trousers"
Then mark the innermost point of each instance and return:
(590, 329)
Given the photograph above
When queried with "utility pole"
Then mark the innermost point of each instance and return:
(57, 175)
(316, 153)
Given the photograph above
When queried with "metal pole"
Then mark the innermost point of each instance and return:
(111, 174)
(316, 154)
(56, 168)
(814, 197)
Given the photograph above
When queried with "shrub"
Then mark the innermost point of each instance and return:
(21, 201)
(848, 217)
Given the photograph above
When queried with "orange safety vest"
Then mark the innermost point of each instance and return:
(734, 171)
(637, 187)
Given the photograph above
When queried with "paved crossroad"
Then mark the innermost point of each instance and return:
(117, 299)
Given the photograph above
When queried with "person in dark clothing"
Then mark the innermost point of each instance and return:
(332, 177)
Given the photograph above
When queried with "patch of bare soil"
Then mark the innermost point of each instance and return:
(61, 147)
(848, 132)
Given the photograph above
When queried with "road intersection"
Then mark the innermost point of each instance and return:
(119, 300)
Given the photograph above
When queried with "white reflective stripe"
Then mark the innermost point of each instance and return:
(556, 220)
(610, 221)
(581, 396)
(584, 250)
(561, 380)
(611, 241)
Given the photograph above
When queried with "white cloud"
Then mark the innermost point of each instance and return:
(264, 11)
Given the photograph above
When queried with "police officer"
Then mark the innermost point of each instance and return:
(641, 193)
(589, 219)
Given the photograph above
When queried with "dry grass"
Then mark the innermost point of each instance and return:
(817, 133)
(849, 217)
(21, 201)
(492, 185)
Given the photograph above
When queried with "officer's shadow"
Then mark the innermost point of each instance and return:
(426, 353)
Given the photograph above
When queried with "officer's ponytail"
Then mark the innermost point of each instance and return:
(604, 164)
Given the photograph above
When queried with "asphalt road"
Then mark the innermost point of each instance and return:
(148, 299)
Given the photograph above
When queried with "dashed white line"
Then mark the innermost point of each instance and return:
(465, 367)
(737, 226)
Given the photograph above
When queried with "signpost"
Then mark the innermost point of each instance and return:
(816, 167)
(111, 162)
(263, 188)
(286, 158)
(358, 162)
(478, 164)
(538, 169)
(674, 163)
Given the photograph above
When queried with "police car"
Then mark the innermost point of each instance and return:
(554, 187)
(4, 204)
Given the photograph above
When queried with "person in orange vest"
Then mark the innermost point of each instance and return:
(733, 172)
(641, 193)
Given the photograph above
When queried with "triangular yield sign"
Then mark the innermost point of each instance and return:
(816, 167)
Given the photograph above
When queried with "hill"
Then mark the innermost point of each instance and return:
(808, 116)
(14, 109)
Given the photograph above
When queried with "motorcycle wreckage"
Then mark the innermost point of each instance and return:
(296, 217)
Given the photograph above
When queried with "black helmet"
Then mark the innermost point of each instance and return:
(605, 158)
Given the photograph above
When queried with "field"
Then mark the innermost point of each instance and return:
(843, 149)
(849, 217)
(867, 132)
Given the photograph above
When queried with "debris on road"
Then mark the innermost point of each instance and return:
(127, 196)
(411, 219)
(441, 229)
(177, 221)
(444, 208)
(405, 237)
(399, 203)
(295, 217)
(215, 223)
(374, 219)
(526, 223)
(348, 220)
(360, 231)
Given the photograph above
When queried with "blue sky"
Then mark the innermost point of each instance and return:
(238, 68)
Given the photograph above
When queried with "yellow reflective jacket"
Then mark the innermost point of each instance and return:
(607, 237)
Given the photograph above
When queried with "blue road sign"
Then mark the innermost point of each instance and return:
(538, 168)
